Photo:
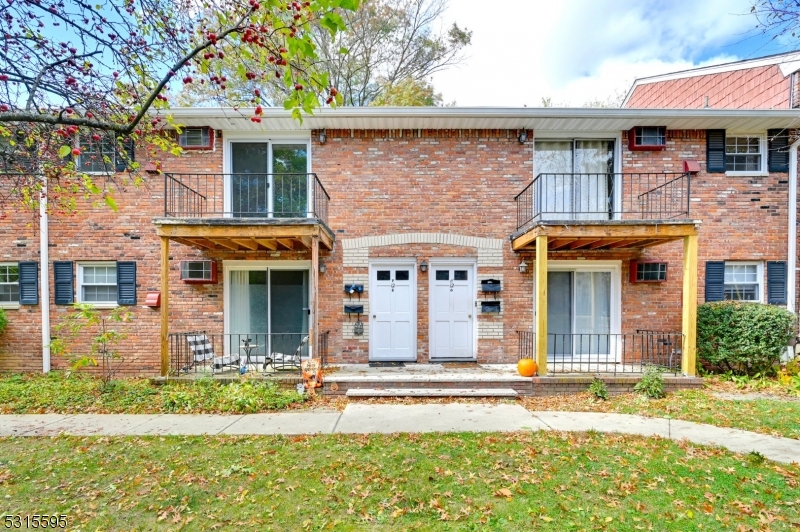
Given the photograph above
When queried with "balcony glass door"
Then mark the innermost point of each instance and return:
(250, 179)
(269, 179)
(575, 179)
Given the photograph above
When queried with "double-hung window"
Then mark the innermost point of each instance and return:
(743, 281)
(97, 283)
(97, 156)
(9, 284)
(745, 153)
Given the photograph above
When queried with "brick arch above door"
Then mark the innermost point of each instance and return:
(355, 251)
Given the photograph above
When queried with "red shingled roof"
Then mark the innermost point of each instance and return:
(752, 88)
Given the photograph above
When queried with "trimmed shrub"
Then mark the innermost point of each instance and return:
(3, 320)
(743, 338)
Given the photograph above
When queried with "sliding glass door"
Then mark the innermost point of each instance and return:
(579, 314)
(575, 179)
(269, 179)
(269, 308)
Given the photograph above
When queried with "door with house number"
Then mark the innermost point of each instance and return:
(452, 312)
(392, 312)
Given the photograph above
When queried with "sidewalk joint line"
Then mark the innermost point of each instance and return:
(333, 430)
(232, 423)
(64, 418)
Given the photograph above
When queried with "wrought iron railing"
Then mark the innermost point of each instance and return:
(604, 196)
(202, 352)
(245, 196)
(607, 353)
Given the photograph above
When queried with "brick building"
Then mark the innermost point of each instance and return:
(417, 235)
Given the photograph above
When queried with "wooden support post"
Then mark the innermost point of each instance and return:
(164, 306)
(314, 323)
(689, 326)
(541, 304)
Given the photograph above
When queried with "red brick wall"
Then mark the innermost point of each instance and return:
(752, 88)
(390, 182)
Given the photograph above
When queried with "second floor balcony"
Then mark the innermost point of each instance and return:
(246, 211)
(594, 211)
(597, 197)
(246, 195)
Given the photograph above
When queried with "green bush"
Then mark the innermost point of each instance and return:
(743, 338)
(598, 389)
(652, 383)
(3, 320)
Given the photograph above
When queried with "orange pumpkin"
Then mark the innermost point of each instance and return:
(527, 367)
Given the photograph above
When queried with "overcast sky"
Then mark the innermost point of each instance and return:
(574, 51)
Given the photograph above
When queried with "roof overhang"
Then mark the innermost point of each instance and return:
(542, 119)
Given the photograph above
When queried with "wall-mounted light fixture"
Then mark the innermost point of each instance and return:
(523, 137)
(322, 137)
(423, 267)
(322, 267)
(523, 266)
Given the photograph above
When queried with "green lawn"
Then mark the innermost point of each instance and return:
(522, 481)
(778, 417)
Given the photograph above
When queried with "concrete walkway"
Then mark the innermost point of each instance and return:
(379, 418)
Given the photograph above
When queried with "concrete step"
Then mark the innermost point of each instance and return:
(431, 392)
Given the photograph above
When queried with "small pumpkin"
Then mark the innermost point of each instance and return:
(527, 367)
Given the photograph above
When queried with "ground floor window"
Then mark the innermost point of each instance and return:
(9, 283)
(97, 282)
(743, 281)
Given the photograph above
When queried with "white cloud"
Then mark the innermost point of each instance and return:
(574, 51)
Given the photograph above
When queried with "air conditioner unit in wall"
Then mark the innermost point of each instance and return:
(199, 271)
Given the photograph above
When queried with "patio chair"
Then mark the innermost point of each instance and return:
(202, 350)
(284, 360)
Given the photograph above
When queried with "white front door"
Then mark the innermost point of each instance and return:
(392, 301)
(452, 311)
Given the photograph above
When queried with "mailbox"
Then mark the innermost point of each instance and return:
(354, 309)
(354, 288)
(490, 285)
(488, 307)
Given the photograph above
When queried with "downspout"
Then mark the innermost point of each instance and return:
(44, 273)
(791, 262)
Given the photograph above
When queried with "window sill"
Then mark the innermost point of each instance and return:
(99, 305)
(747, 174)
(10, 306)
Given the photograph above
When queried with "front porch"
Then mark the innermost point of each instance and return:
(477, 380)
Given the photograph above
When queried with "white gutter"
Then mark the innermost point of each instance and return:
(791, 259)
(44, 273)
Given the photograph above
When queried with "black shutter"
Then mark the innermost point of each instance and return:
(29, 283)
(62, 281)
(715, 280)
(126, 283)
(778, 152)
(715, 150)
(776, 282)
(124, 161)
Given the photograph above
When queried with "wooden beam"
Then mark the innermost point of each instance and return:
(605, 242)
(689, 315)
(306, 240)
(582, 242)
(248, 243)
(627, 243)
(314, 323)
(558, 243)
(288, 243)
(237, 231)
(226, 243)
(541, 304)
(164, 306)
(267, 243)
(198, 243)
(643, 230)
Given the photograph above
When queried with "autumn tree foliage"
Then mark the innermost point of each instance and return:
(393, 47)
(81, 81)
